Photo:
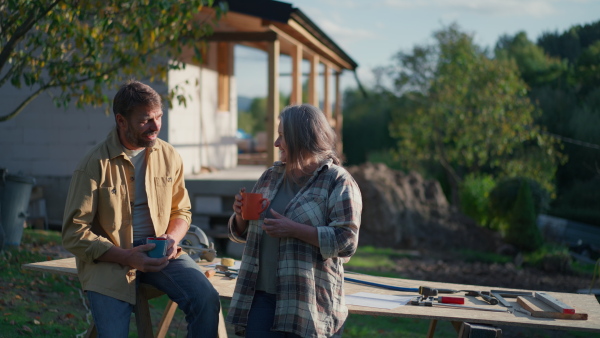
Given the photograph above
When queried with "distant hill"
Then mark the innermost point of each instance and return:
(244, 103)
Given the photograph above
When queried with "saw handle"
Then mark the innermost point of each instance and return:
(451, 300)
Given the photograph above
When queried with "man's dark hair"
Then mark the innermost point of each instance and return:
(134, 94)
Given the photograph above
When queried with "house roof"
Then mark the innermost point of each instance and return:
(263, 16)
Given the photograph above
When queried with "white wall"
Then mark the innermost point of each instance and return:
(204, 136)
(44, 140)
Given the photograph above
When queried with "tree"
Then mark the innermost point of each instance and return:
(366, 124)
(471, 114)
(81, 48)
(534, 65)
(254, 120)
(522, 231)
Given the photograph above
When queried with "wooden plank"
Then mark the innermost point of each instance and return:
(540, 309)
(64, 266)
(583, 303)
(267, 36)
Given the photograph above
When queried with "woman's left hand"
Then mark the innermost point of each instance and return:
(279, 226)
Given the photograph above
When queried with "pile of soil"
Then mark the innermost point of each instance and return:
(404, 211)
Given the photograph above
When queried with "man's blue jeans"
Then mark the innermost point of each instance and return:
(183, 281)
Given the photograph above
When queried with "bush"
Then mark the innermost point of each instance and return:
(502, 199)
(521, 230)
(474, 194)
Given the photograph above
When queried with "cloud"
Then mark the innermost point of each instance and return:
(534, 8)
(337, 28)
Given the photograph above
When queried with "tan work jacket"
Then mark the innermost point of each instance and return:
(98, 211)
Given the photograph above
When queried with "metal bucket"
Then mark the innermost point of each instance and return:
(15, 191)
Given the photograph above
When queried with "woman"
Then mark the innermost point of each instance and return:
(291, 278)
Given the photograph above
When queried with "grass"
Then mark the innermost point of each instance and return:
(49, 305)
(34, 303)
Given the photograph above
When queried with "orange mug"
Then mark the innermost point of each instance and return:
(253, 205)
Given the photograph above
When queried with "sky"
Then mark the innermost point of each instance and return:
(371, 32)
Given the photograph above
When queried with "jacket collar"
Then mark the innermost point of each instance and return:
(115, 148)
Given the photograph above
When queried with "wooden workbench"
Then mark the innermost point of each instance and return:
(581, 302)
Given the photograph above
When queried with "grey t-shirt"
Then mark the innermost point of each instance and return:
(269, 246)
(142, 222)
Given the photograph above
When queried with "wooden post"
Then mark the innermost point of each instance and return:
(313, 96)
(296, 95)
(326, 102)
(272, 102)
(338, 115)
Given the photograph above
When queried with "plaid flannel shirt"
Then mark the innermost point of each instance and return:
(310, 279)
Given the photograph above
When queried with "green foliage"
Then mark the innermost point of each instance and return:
(474, 193)
(569, 44)
(366, 124)
(254, 121)
(469, 113)
(82, 48)
(580, 202)
(484, 257)
(503, 196)
(549, 257)
(521, 230)
(534, 65)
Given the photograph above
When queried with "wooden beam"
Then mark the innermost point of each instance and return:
(296, 95)
(272, 102)
(326, 51)
(283, 35)
(313, 95)
(243, 36)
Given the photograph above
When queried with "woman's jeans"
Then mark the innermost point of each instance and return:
(261, 317)
(183, 281)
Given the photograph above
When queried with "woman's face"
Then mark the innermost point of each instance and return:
(280, 143)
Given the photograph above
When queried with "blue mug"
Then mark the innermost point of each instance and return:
(160, 250)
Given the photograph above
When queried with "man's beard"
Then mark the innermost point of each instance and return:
(137, 140)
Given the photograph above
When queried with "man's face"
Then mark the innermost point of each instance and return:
(141, 129)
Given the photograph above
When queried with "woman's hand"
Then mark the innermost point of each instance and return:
(240, 223)
(281, 226)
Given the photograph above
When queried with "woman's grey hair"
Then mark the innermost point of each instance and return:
(307, 133)
(133, 94)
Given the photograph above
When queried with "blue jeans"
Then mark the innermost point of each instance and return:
(183, 281)
(261, 317)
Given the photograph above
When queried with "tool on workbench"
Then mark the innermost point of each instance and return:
(428, 296)
(554, 303)
(226, 270)
(483, 294)
(196, 244)
(500, 294)
(419, 301)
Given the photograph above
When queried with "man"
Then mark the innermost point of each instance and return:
(126, 189)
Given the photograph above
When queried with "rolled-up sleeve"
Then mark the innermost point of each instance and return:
(80, 210)
(340, 237)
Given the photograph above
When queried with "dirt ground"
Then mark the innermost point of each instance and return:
(430, 266)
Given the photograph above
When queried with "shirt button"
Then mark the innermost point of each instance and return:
(131, 203)
(132, 178)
